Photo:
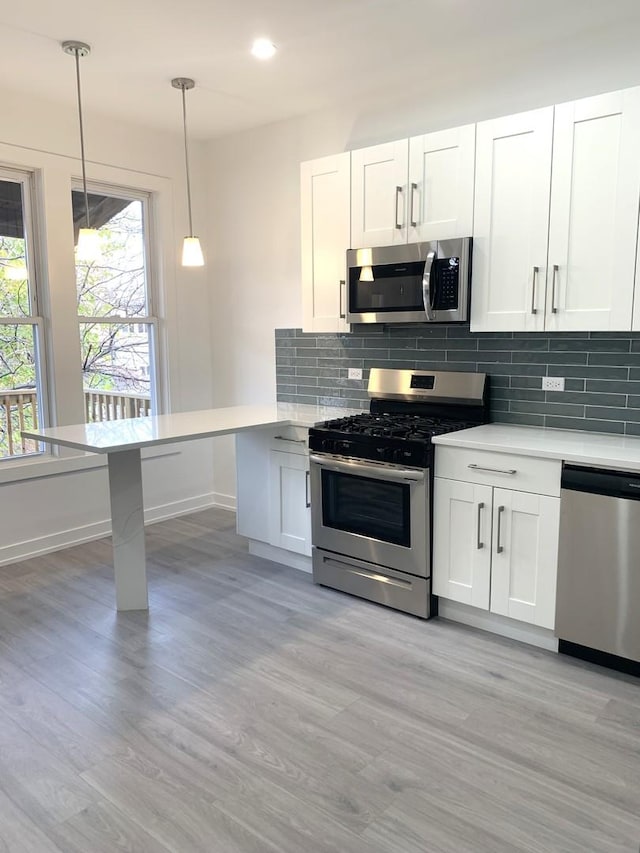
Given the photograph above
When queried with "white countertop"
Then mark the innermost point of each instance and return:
(130, 433)
(581, 448)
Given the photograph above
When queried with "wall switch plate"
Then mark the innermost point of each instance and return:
(355, 373)
(553, 383)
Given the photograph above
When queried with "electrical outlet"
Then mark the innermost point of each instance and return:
(553, 383)
(355, 373)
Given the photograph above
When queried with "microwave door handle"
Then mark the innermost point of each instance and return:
(428, 286)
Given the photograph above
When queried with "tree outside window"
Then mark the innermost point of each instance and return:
(20, 397)
(116, 324)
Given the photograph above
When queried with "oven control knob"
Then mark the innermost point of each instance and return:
(383, 452)
(343, 445)
(328, 444)
(399, 455)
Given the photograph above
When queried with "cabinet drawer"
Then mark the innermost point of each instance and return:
(506, 470)
(291, 439)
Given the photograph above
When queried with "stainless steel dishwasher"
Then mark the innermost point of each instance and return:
(598, 599)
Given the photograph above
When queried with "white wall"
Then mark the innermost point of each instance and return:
(44, 505)
(253, 188)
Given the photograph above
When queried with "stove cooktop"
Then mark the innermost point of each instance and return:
(405, 426)
(408, 408)
(386, 437)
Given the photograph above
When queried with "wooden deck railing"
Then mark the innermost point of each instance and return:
(113, 406)
(19, 410)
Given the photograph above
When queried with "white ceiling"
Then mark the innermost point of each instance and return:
(331, 52)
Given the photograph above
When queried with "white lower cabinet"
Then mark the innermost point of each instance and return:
(462, 542)
(496, 549)
(524, 557)
(290, 504)
(273, 490)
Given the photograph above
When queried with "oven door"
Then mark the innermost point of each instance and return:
(371, 511)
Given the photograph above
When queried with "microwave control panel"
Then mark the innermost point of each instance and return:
(447, 280)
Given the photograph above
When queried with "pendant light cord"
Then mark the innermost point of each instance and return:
(84, 170)
(186, 157)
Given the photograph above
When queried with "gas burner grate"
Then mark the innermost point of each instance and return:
(409, 427)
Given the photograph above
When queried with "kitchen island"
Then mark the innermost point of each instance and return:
(122, 441)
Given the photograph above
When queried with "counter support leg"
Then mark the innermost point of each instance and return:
(127, 524)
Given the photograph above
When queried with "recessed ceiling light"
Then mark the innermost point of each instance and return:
(263, 48)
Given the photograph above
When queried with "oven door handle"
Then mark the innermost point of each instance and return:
(376, 472)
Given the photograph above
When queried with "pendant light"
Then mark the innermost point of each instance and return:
(191, 249)
(364, 259)
(88, 248)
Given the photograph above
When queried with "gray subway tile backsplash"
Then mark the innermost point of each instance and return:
(601, 370)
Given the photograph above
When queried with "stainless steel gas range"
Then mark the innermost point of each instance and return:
(372, 479)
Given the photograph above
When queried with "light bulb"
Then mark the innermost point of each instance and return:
(17, 272)
(88, 248)
(192, 252)
(263, 48)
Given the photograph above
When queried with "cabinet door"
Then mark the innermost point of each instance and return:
(325, 192)
(289, 508)
(441, 168)
(511, 222)
(594, 213)
(525, 556)
(462, 542)
(379, 195)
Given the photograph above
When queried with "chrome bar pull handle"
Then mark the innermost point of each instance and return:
(554, 308)
(398, 194)
(307, 496)
(499, 548)
(414, 222)
(427, 290)
(493, 470)
(479, 542)
(292, 440)
(341, 309)
(534, 283)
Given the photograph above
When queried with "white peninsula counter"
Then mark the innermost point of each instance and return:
(122, 441)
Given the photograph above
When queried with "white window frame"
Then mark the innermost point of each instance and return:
(54, 176)
(151, 317)
(27, 180)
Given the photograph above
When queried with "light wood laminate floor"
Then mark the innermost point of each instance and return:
(252, 712)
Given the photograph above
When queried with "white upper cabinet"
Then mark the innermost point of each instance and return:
(413, 190)
(325, 206)
(556, 217)
(594, 213)
(440, 191)
(511, 221)
(379, 195)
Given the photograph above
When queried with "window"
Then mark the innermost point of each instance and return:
(21, 394)
(117, 326)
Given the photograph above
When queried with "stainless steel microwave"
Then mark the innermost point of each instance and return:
(413, 283)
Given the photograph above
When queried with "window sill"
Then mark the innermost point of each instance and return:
(48, 465)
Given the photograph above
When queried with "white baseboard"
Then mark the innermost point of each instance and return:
(175, 508)
(279, 555)
(505, 627)
(40, 545)
(224, 501)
